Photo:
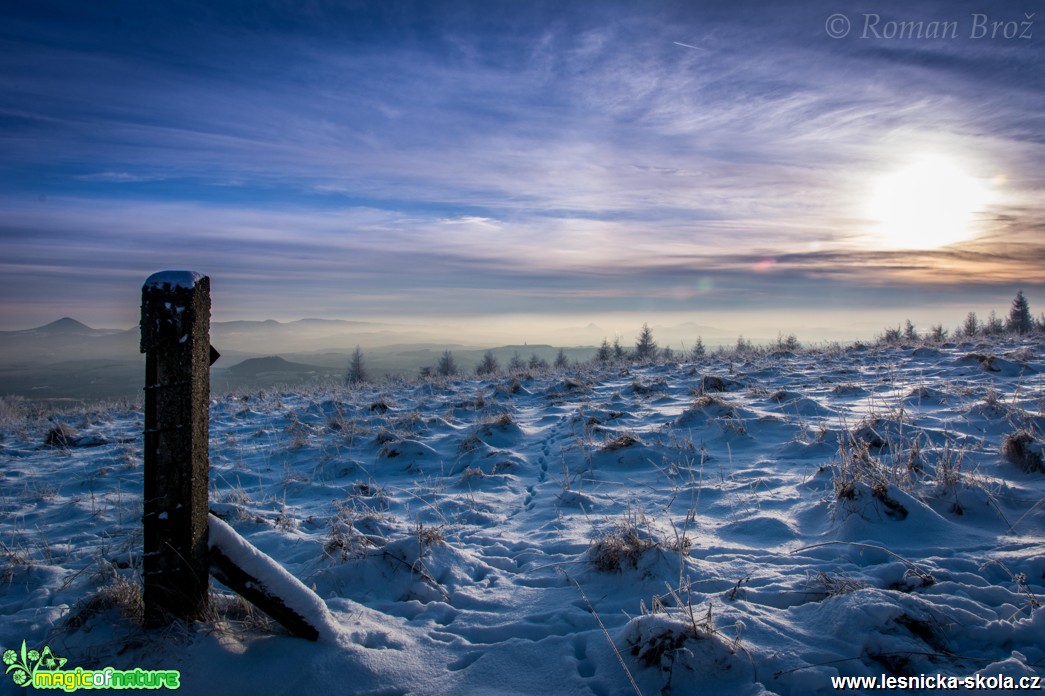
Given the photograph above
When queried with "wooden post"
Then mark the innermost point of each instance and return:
(175, 337)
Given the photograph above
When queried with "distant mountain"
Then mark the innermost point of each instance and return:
(272, 363)
(272, 371)
(67, 340)
(66, 326)
(334, 322)
(269, 325)
(690, 326)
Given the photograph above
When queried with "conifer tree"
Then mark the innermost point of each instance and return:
(994, 325)
(488, 365)
(516, 364)
(447, 366)
(356, 368)
(605, 352)
(645, 346)
(561, 361)
(1019, 316)
(971, 327)
(891, 335)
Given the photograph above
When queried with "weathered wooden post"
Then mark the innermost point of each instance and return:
(175, 337)
(184, 544)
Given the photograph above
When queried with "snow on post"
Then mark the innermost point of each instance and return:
(175, 337)
(243, 568)
(174, 279)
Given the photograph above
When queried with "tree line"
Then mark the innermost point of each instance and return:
(1018, 322)
(447, 366)
(645, 350)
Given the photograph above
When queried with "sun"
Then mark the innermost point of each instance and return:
(929, 203)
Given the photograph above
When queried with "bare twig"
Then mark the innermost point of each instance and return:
(926, 578)
(605, 633)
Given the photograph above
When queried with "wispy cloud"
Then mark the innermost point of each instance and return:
(119, 177)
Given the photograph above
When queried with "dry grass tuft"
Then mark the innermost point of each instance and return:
(356, 526)
(503, 420)
(121, 594)
(622, 545)
(1020, 449)
(711, 383)
(428, 536)
(235, 611)
(620, 442)
(837, 584)
(706, 400)
(60, 435)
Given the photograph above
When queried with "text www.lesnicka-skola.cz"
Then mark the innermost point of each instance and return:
(939, 681)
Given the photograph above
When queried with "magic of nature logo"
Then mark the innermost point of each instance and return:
(42, 669)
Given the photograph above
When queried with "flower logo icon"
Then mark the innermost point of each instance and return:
(23, 664)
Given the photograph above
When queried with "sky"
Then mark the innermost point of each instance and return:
(809, 167)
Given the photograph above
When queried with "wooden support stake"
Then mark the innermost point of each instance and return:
(175, 337)
(241, 567)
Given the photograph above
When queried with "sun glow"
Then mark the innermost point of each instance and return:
(928, 204)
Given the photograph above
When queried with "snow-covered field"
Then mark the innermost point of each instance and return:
(720, 527)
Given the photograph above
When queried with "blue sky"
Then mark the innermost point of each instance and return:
(565, 160)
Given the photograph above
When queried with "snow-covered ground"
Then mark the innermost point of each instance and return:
(720, 527)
